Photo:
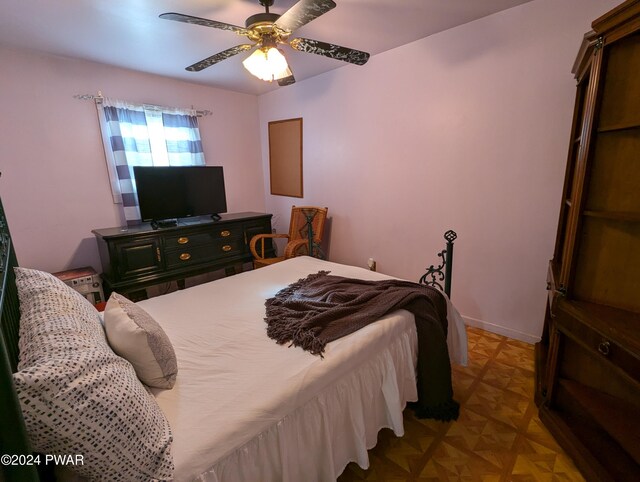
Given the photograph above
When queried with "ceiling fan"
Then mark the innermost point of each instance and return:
(268, 30)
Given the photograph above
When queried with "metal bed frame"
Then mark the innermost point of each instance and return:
(441, 274)
(13, 435)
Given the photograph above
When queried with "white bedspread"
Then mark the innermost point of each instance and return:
(247, 409)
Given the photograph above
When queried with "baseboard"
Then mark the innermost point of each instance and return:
(501, 330)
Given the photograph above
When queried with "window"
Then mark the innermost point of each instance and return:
(142, 135)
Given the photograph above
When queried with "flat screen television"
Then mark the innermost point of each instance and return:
(179, 192)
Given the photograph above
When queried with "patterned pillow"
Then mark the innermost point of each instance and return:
(54, 319)
(136, 336)
(77, 396)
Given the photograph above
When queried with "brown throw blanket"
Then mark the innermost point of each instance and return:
(321, 308)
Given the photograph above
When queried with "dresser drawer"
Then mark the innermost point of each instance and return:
(218, 249)
(201, 238)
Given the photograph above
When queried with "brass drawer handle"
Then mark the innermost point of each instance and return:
(226, 247)
(158, 254)
(185, 256)
(183, 240)
(604, 348)
(225, 233)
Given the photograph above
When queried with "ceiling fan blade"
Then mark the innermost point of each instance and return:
(179, 17)
(287, 81)
(219, 57)
(303, 12)
(330, 50)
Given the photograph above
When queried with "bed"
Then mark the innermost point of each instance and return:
(244, 408)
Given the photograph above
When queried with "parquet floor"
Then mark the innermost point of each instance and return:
(497, 438)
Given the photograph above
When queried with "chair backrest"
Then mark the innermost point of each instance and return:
(301, 216)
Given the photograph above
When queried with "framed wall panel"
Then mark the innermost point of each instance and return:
(285, 157)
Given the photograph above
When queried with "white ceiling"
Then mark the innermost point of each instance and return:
(129, 34)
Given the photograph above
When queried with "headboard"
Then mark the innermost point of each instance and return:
(13, 433)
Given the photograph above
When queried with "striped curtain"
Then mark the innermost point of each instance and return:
(129, 145)
(139, 135)
(184, 147)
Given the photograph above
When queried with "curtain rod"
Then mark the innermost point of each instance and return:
(99, 98)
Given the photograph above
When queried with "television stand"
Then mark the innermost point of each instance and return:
(140, 256)
(216, 217)
(164, 223)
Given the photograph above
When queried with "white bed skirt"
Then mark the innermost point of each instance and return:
(318, 440)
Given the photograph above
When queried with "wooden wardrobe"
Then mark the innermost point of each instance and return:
(588, 362)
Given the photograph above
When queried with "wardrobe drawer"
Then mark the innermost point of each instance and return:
(601, 346)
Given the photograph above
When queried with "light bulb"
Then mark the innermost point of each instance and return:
(267, 63)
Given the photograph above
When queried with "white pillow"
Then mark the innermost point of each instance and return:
(77, 396)
(136, 336)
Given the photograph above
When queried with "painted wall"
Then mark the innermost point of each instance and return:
(467, 129)
(54, 181)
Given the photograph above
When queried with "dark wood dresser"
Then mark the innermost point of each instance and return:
(588, 362)
(137, 257)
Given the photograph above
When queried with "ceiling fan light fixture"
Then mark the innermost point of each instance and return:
(267, 63)
(269, 30)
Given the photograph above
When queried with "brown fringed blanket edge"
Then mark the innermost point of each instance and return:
(321, 308)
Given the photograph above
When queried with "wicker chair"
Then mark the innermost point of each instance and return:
(303, 219)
